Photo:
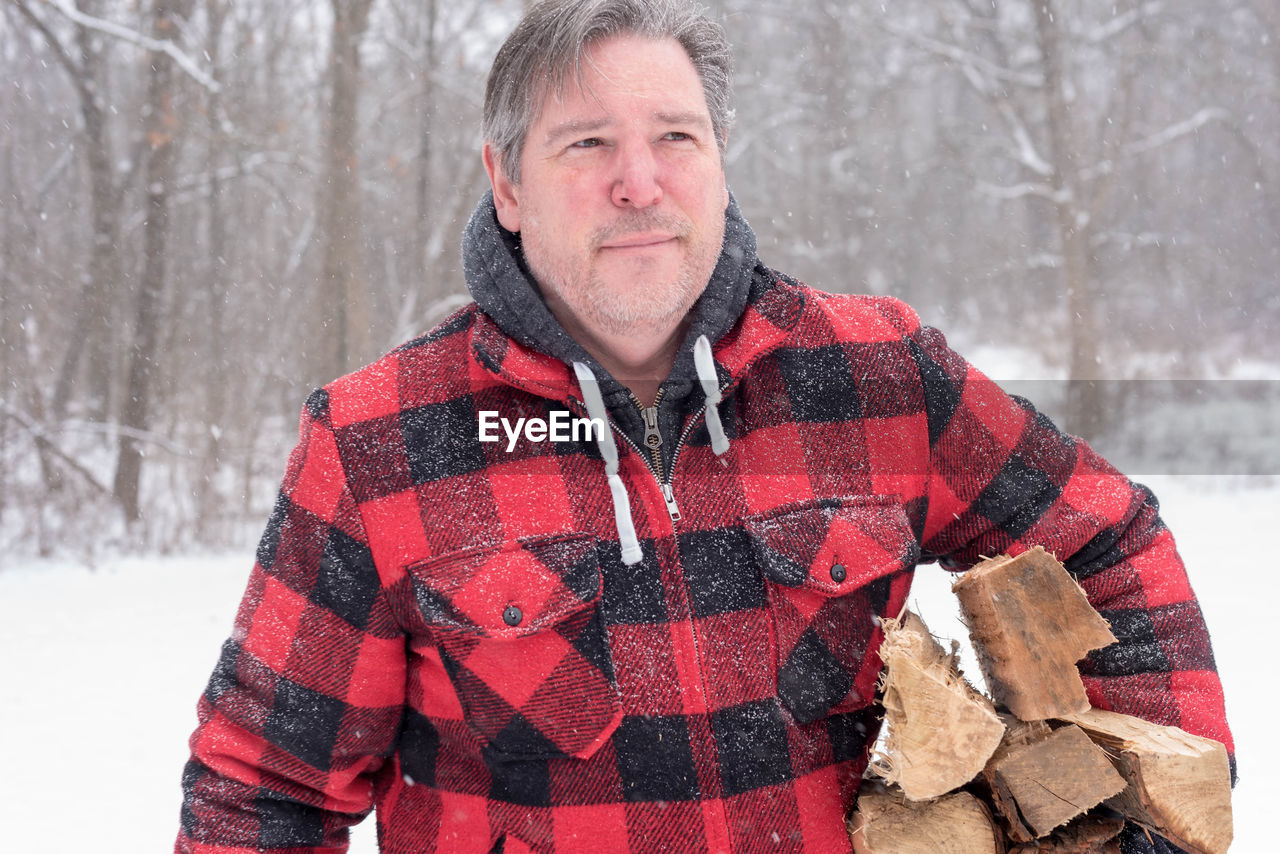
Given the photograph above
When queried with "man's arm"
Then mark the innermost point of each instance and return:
(306, 699)
(1003, 478)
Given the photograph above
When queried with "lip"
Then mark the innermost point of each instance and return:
(638, 241)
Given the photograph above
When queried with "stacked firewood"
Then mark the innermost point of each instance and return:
(1038, 769)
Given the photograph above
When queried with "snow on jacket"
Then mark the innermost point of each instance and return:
(447, 631)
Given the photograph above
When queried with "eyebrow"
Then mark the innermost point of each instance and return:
(573, 127)
(690, 118)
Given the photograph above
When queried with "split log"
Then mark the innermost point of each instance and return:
(886, 822)
(1041, 778)
(1088, 834)
(939, 730)
(1030, 623)
(1179, 785)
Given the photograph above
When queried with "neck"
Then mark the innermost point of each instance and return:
(639, 359)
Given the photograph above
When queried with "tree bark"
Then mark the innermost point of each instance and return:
(1085, 406)
(343, 297)
(214, 368)
(424, 137)
(162, 130)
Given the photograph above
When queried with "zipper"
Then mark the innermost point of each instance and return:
(668, 495)
(667, 491)
(673, 509)
(653, 439)
(652, 435)
(653, 459)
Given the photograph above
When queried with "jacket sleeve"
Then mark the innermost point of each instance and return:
(305, 702)
(1003, 478)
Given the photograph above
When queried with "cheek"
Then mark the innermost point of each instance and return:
(706, 187)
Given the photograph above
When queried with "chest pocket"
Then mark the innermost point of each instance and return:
(830, 569)
(519, 630)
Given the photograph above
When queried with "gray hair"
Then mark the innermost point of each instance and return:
(548, 49)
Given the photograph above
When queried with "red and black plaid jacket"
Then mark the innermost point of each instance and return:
(445, 631)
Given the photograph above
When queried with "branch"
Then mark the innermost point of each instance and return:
(196, 186)
(185, 62)
(54, 172)
(245, 166)
(73, 69)
(149, 437)
(1028, 156)
(1120, 23)
(1182, 128)
(1129, 241)
(1156, 140)
(968, 59)
(1018, 191)
(41, 437)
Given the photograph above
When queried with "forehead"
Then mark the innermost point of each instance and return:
(626, 76)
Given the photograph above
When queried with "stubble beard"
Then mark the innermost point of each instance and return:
(627, 308)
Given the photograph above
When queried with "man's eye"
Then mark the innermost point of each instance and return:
(676, 136)
(592, 142)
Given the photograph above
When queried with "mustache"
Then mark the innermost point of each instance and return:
(641, 221)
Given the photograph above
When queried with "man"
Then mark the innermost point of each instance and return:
(660, 636)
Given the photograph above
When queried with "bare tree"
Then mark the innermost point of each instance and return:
(164, 132)
(343, 295)
(84, 59)
(1085, 405)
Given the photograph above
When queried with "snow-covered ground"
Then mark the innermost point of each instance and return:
(101, 669)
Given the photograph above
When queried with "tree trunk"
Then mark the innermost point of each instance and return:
(162, 135)
(343, 296)
(12, 351)
(91, 328)
(1085, 406)
(424, 138)
(214, 368)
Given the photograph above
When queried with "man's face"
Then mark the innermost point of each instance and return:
(622, 194)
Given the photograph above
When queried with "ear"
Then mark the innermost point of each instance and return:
(506, 197)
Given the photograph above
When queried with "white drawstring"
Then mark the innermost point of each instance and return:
(604, 441)
(706, 368)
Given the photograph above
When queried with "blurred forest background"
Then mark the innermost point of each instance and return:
(207, 208)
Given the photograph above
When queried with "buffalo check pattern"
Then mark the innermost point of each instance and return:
(444, 631)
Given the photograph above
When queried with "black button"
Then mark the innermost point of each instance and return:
(838, 573)
(512, 616)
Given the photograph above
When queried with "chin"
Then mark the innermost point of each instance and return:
(656, 311)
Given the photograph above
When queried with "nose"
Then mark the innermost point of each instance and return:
(636, 182)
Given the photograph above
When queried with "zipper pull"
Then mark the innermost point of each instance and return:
(652, 438)
(673, 509)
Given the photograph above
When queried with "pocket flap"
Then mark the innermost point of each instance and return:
(509, 590)
(835, 546)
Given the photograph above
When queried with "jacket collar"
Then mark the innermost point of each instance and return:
(773, 310)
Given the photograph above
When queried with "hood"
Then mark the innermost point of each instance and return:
(502, 286)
